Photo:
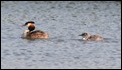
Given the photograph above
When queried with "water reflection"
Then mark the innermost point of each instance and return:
(106, 40)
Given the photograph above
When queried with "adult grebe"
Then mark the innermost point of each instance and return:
(89, 37)
(37, 34)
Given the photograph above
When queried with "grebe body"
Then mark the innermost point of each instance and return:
(34, 34)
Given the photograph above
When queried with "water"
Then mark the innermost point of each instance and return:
(64, 21)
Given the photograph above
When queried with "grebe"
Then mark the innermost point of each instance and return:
(37, 34)
(89, 37)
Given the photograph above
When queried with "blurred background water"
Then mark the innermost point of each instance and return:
(64, 21)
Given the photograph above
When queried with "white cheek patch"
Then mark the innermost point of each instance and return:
(84, 38)
(28, 24)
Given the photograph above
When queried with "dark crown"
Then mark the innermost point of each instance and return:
(29, 22)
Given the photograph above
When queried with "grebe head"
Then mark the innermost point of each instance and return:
(30, 25)
(85, 36)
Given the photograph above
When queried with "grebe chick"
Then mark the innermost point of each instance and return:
(34, 34)
(89, 37)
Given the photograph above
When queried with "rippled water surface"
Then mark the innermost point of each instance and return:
(64, 21)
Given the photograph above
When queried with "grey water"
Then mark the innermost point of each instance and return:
(63, 21)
